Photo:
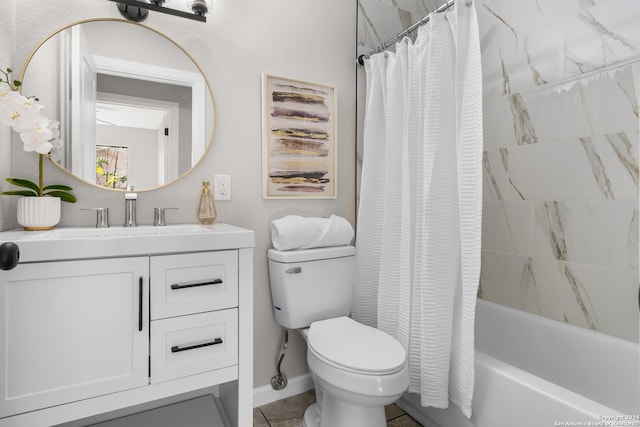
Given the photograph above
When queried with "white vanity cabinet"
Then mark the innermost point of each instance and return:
(72, 330)
(99, 324)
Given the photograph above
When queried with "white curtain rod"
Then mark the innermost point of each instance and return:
(409, 30)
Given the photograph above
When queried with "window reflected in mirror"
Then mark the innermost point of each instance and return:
(111, 166)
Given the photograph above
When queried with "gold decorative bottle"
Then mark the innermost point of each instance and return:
(206, 210)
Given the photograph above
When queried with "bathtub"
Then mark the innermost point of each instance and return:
(535, 372)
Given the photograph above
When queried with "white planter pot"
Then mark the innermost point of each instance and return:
(38, 213)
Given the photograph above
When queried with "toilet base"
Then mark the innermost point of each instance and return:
(337, 413)
(350, 399)
(312, 416)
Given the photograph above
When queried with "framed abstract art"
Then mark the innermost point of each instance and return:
(298, 139)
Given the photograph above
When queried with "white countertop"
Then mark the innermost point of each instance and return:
(63, 243)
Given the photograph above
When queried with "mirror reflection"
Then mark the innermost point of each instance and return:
(134, 108)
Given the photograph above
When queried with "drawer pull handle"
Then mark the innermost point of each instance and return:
(195, 284)
(140, 293)
(176, 348)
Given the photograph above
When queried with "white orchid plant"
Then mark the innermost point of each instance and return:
(37, 133)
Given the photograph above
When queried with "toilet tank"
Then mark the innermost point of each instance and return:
(311, 284)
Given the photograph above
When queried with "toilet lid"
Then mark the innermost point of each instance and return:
(351, 345)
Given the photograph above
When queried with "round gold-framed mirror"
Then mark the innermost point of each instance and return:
(135, 109)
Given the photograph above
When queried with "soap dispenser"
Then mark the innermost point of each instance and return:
(206, 210)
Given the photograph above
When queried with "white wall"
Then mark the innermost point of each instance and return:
(7, 205)
(301, 39)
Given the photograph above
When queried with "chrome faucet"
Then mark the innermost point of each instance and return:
(159, 218)
(102, 216)
(130, 209)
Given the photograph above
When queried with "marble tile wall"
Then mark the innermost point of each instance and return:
(560, 218)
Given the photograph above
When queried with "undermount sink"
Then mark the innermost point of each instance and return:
(82, 233)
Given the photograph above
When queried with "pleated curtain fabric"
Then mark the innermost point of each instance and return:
(419, 217)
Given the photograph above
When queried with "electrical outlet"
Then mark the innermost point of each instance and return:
(222, 185)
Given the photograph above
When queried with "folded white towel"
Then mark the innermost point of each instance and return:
(295, 232)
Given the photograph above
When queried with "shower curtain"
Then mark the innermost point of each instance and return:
(419, 218)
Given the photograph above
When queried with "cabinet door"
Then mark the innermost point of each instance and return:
(72, 330)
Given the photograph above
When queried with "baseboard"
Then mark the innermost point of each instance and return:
(296, 385)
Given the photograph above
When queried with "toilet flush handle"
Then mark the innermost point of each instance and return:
(293, 270)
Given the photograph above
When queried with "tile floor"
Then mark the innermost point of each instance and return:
(289, 412)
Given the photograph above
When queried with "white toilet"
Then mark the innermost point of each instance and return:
(357, 369)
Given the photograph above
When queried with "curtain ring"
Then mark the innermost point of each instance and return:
(468, 3)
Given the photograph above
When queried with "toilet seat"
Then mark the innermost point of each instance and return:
(353, 347)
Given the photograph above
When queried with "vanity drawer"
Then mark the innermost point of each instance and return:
(188, 345)
(193, 283)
